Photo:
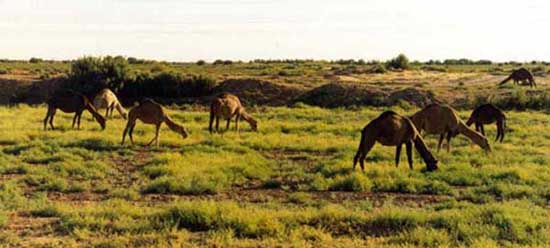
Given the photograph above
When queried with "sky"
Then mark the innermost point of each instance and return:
(189, 30)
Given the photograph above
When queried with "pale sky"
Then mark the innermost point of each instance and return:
(189, 30)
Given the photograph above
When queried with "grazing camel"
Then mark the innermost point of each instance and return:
(487, 114)
(392, 129)
(227, 106)
(443, 120)
(150, 112)
(108, 100)
(70, 101)
(522, 75)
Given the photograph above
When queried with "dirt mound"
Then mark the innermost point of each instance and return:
(413, 96)
(350, 94)
(257, 92)
(344, 94)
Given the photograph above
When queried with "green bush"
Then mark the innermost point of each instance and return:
(168, 84)
(90, 74)
(401, 62)
(35, 60)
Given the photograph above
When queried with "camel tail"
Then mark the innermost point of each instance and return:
(506, 80)
(175, 126)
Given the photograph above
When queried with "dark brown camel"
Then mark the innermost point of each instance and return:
(70, 101)
(392, 129)
(488, 114)
(521, 75)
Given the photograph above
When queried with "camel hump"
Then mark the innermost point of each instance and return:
(522, 72)
(387, 114)
(147, 101)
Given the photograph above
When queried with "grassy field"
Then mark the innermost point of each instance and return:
(290, 184)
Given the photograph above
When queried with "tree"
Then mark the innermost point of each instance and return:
(399, 62)
(90, 74)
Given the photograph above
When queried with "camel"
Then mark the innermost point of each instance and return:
(443, 120)
(108, 100)
(150, 112)
(392, 129)
(70, 101)
(522, 75)
(227, 106)
(487, 114)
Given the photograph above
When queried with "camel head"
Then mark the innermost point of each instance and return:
(184, 133)
(431, 165)
(254, 125)
(485, 145)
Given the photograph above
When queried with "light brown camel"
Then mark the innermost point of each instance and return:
(392, 129)
(70, 101)
(443, 120)
(488, 114)
(227, 106)
(107, 99)
(150, 112)
(521, 75)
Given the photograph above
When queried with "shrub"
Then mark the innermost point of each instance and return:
(201, 62)
(399, 62)
(90, 74)
(35, 60)
(378, 69)
(168, 84)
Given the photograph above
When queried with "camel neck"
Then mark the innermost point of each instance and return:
(474, 136)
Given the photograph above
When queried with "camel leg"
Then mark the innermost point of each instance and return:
(74, 120)
(217, 124)
(449, 136)
(131, 131)
(500, 130)
(106, 113)
(397, 154)
(51, 119)
(441, 136)
(362, 154)
(78, 120)
(477, 127)
(126, 129)
(211, 122)
(112, 110)
(237, 122)
(408, 146)
(49, 114)
(482, 129)
(227, 124)
(157, 128)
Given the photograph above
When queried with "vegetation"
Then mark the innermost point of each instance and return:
(400, 62)
(290, 183)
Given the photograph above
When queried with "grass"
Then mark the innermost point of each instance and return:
(289, 183)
